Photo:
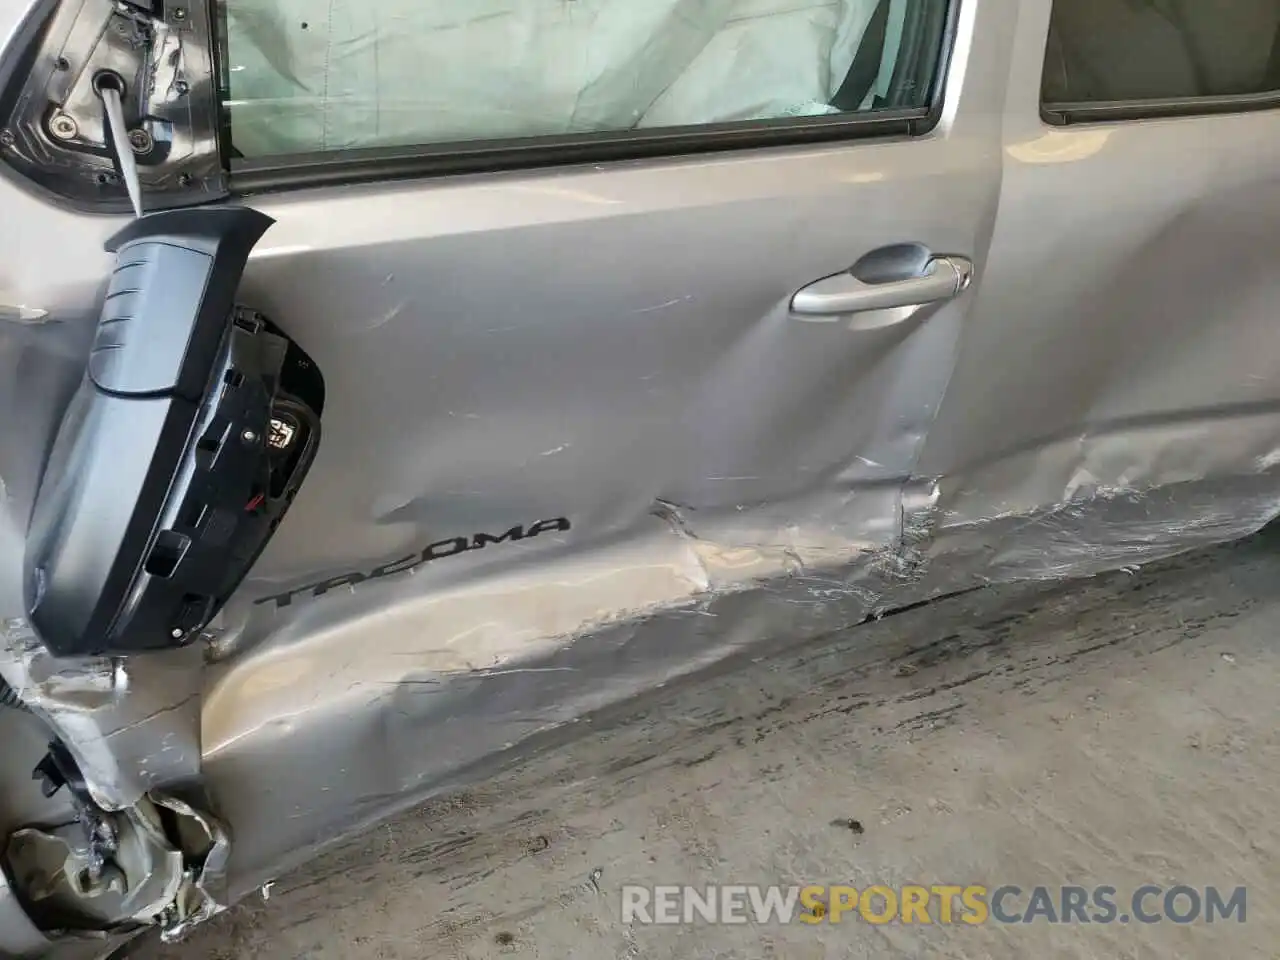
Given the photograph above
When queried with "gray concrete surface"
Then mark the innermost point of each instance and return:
(1119, 731)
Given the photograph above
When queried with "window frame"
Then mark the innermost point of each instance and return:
(1069, 113)
(375, 164)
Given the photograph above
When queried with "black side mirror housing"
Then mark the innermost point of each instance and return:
(194, 426)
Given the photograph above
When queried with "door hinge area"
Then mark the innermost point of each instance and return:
(54, 129)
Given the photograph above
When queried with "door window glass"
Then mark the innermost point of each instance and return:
(1103, 51)
(322, 75)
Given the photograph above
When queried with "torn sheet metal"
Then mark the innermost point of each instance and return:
(415, 664)
(164, 871)
(206, 847)
(132, 725)
(54, 869)
(315, 75)
(705, 475)
(498, 667)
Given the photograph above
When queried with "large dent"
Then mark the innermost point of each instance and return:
(132, 725)
(366, 710)
(733, 479)
(312, 718)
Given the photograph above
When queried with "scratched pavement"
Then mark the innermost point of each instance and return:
(1116, 731)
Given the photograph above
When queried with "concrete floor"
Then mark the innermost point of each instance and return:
(1120, 731)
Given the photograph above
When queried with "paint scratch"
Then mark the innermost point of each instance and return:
(664, 306)
(388, 316)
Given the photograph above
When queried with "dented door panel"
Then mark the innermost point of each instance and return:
(1122, 350)
(576, 446)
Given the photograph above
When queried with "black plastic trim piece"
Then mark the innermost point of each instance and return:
(224, 237)
(400, 163)
(1065, 114)
(945, 55)
(336, 168)
(166, 479)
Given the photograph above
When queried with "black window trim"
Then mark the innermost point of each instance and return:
(336, 167)
(375, 164)
(1067, 114)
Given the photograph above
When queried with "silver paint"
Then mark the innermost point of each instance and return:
(19, 937)
(614, 345)
(134, 723)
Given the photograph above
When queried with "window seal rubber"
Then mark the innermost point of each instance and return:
(342, 167)
(1068, 114)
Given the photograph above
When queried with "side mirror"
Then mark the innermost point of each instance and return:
(194, 426)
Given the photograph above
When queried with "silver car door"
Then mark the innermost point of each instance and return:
(606, 399)
(589, 412)
(1115, 399)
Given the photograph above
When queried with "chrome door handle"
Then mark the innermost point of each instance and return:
(941, 279)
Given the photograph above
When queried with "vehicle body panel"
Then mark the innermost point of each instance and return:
(603, 358)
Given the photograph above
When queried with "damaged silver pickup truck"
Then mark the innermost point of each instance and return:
(387, 387)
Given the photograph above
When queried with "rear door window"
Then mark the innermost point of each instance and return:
(1115, 51)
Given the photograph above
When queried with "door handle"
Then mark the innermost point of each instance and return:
(941, 279)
